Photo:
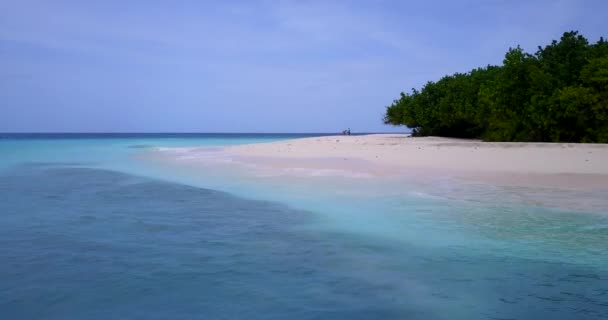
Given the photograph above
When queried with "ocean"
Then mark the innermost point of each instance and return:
(90, 229)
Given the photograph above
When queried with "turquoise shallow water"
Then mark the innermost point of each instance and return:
(90, 231)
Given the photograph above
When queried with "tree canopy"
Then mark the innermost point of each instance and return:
(558, 94)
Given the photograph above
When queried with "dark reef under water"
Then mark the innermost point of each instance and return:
(82, 243)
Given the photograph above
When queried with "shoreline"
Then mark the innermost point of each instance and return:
(559, 176)
(560, 165)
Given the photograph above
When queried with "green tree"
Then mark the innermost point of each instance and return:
(560, 93)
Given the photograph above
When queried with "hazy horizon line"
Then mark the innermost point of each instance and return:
(187, 132)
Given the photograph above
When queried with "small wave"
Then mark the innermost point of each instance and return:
(423, 195)
(326, 173)
(140, 146)
(599, 227)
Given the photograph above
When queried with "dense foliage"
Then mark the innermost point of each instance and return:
(560, 93)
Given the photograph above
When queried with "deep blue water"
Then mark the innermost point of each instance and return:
(81, 241)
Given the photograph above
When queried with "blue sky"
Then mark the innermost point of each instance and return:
(251, 66)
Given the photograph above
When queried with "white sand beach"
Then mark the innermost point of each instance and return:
(538, 164)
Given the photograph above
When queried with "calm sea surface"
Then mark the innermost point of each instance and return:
(90, 230)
